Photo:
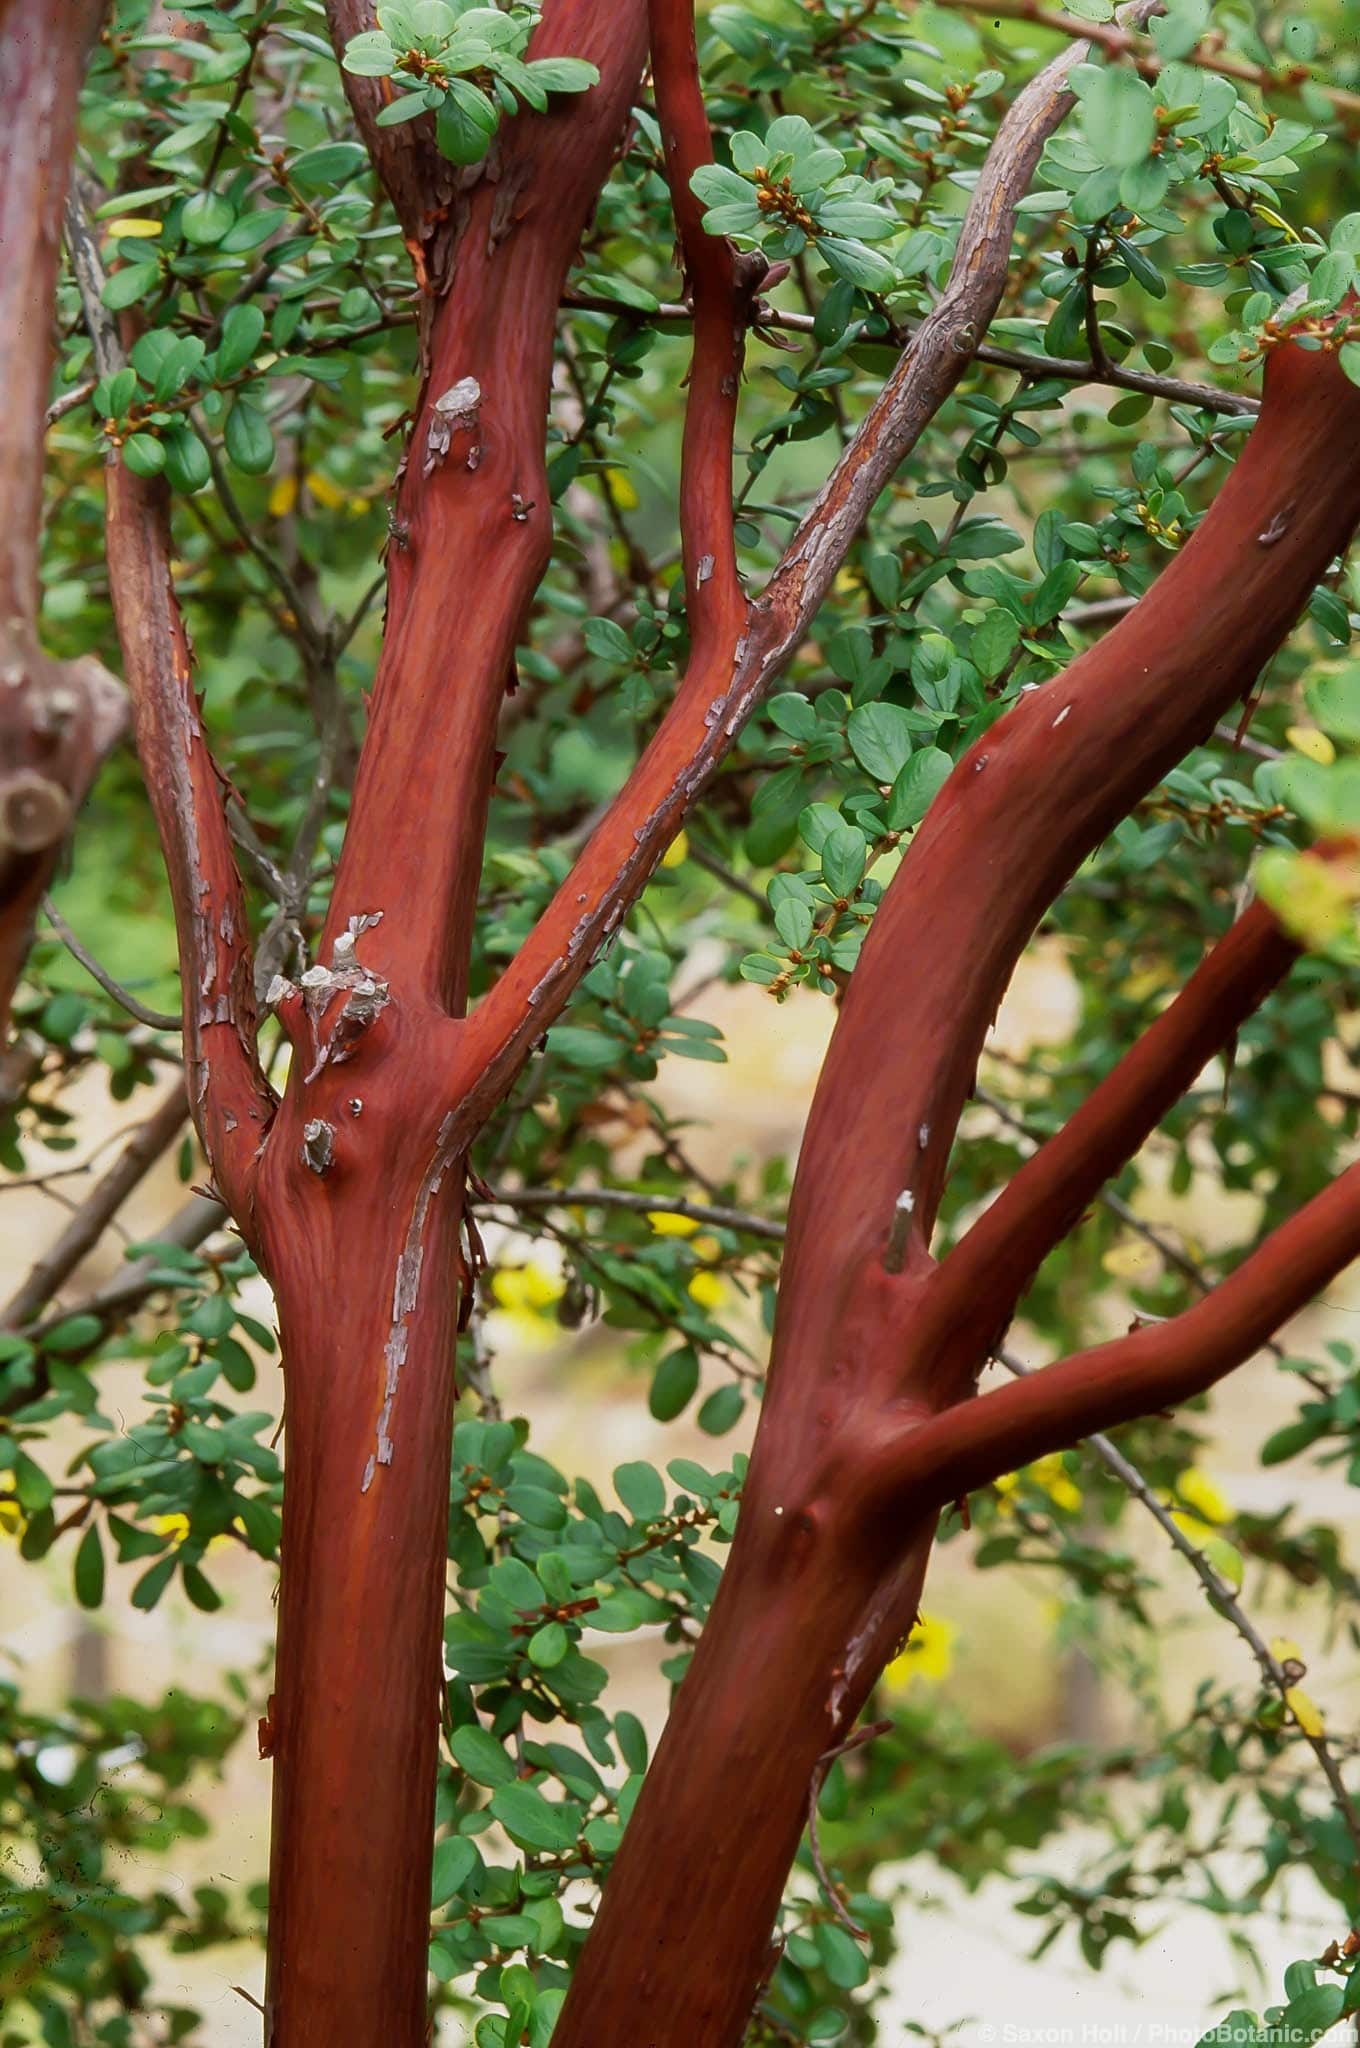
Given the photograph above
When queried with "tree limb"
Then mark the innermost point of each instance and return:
(57, 718)
(722, 287)
(971, 1297)
(723, 684)
(1157, 1366)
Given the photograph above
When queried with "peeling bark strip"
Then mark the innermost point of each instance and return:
(57, 719)
(869, 1425)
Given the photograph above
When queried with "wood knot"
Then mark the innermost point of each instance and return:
(34, 812)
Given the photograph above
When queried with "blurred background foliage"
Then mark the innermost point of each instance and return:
(628, 1213)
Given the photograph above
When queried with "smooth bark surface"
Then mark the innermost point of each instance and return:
(57, 719)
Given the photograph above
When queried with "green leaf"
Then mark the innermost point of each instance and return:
(186, 460)
(608, 641)
(531, 1821)
(856, 262)
(674, 1384)
(641, 1489)
(722, 1410)
(631, 1737)
(478, 1753)
(548, 1645)
(917, 787)
(370, 55)
(153, 1583)
(843, 856)
(563, 74)
(206, 218)
(465, 123)
(329, 164)
(455, 1859)
(72, 1334)
(880, 739)
(242, 332)
(248, 438)
(126, 286)
(1119, 117)
(89, 1568)
(203, 1594)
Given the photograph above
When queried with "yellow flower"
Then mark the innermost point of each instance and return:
(624, 490)
(929, 1653)
(1132, 1260)
(13, 1520)
(1051, 1475)
(677, 851)
(524, 1295)
(667, 1224)
(1312, 744)
(1305, 1712)
(708, 1289)
(324, 491)
(530, 1288)
(176, 1527)
(283, 496)
(1198, 1491)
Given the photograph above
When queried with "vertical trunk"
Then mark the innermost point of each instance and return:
(810, 1607)
(364, 1263)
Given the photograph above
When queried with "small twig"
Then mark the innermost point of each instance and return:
(629, 1198)
(830, 1891)
(93, 1216)
(158, 1020)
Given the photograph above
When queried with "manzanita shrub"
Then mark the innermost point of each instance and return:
(278, 336)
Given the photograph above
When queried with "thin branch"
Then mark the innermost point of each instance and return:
(641, 1203)
(1068, 369)
(188, 795)
(1155, 1366)
(102, 1204)
(1118, 42)
(1221, 1598)
(722, 687)
(972, 1296)
(195, 1220)
(57, 718)
(722, 288)
(158, 1020)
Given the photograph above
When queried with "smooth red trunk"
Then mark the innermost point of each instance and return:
(360, 1241)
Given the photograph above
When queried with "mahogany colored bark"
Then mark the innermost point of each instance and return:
(352, 1194)
(848, 1468)
(57, 719)
(358, 1191)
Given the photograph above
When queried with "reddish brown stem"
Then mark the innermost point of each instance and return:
(985, 1276)
(229, 1099)
(725, 678)
(838, 1493)
(360, 1185)
(57, 719)
(1156, 1366)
